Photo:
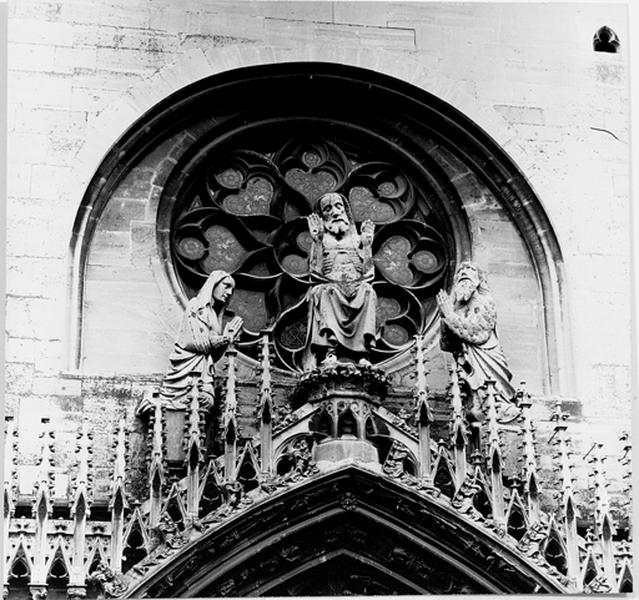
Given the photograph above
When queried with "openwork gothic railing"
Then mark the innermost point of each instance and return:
(216, 483)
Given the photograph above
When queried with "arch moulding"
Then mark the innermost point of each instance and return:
(417, 540)
(195, 65)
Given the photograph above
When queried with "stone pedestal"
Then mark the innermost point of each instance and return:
(345, 449)
(345, 395)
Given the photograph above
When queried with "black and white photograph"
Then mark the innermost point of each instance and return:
(315, 298)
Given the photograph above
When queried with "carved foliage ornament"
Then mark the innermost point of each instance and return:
(244, 212)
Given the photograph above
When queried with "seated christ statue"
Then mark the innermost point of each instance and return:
(341, 300)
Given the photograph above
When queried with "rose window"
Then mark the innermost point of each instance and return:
(245, 212)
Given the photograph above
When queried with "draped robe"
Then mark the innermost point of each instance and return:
(342, 303)
(471, 334)
(199, 343)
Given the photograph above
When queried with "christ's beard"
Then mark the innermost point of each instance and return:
(464, 290)
(336, 226)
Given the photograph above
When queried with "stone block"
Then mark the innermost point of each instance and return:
(20, 350)
(143, 244)
(43, 277)
(26, 148)
(224, 58)
(18, 376)
(90, 99)
(30, 57)
(94, 35)
(35, 9)
(134, 362)
(171, 19)
(529, 115)
(610, 74)
(118, 275)
(111, 249)
(62, 149)
(50, 357)
(68, 60)
(40, 32)
(164, 169)
(55, 386)
(191, 65)
(121, 211)
(19, 180)
(387, 37)
(46, 181)
(53, 89)
(295, 32)
(34, 318)
(297, 11)
(602, 274)
(121, 13)
(48, 120)
(365, 13)
(131, 61)
(79, 11)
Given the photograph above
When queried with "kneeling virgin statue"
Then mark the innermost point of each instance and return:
(202, 339)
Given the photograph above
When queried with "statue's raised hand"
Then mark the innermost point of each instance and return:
(233, 328)
(315, 227)
(368, 231)
(445, 303)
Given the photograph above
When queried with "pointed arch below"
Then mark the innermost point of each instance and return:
(391, 537)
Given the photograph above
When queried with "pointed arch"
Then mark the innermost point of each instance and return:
(436, 111)
(397, 532)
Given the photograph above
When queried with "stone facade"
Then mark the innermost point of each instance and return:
(82, 72)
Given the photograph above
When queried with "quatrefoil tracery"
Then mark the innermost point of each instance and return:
(246, 214)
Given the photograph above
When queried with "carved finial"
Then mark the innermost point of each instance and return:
(530, 469)
(424, 416)
(119, 464)
(10, 452)
(230, 397)
(83, 462)
(626, 463)
(229, 422)
(10, 460)
(194, 433)
(493, 425)
(624, 562)
(604, 525)
(265, 368)
(495, 461)
(569, 508)
(455, 392)
(589, 538)
(42, 506)
(117, 502)
(42, 510)
(265, 405)
(563, 453)
(421, 371)
(156, 463)
(459, 433)
(45, 460)
(193, 452)
(80, 512)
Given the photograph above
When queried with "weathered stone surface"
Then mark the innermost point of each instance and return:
(562, 116)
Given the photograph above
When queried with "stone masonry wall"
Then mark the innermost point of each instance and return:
(80, 72)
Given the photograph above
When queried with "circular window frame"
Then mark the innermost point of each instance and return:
(399, 140)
